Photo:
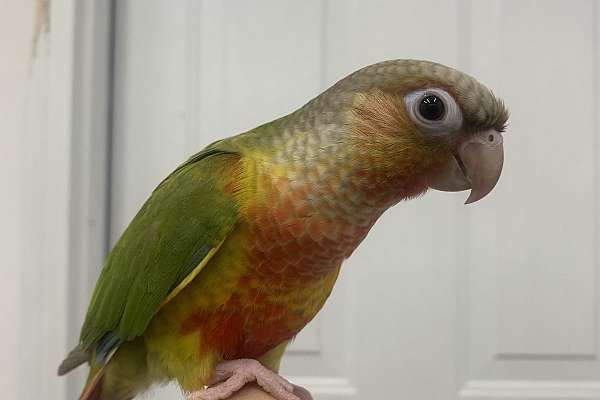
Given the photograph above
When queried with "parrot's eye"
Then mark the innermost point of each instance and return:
(432, 108)
(434, 111)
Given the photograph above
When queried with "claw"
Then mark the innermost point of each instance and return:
(302, 393)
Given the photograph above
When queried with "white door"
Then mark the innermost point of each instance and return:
(497, 300)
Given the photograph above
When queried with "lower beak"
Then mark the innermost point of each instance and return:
(476, 165)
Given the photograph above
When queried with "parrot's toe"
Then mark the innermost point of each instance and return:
(233, 375)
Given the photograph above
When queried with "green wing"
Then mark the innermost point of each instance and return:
(183, 222)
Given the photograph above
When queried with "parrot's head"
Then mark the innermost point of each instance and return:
(419, 125)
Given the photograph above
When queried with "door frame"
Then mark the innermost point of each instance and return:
(67, 141)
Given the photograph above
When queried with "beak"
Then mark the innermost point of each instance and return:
(476, 165)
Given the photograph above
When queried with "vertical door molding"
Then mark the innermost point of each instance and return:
(90, 162)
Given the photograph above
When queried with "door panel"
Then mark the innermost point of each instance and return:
(532, 254)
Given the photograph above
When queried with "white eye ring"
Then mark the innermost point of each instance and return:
(449, 122)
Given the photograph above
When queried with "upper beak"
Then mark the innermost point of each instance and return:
(476, 165)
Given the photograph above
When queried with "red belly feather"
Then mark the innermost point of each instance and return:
(238, 330)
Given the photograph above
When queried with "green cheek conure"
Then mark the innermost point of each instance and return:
(239, 247)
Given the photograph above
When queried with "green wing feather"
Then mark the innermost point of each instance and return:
(185, 219)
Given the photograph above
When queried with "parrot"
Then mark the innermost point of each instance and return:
(238, 248)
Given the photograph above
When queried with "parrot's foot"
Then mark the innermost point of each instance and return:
(233, 375)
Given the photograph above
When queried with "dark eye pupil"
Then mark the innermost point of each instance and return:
(432, 108)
